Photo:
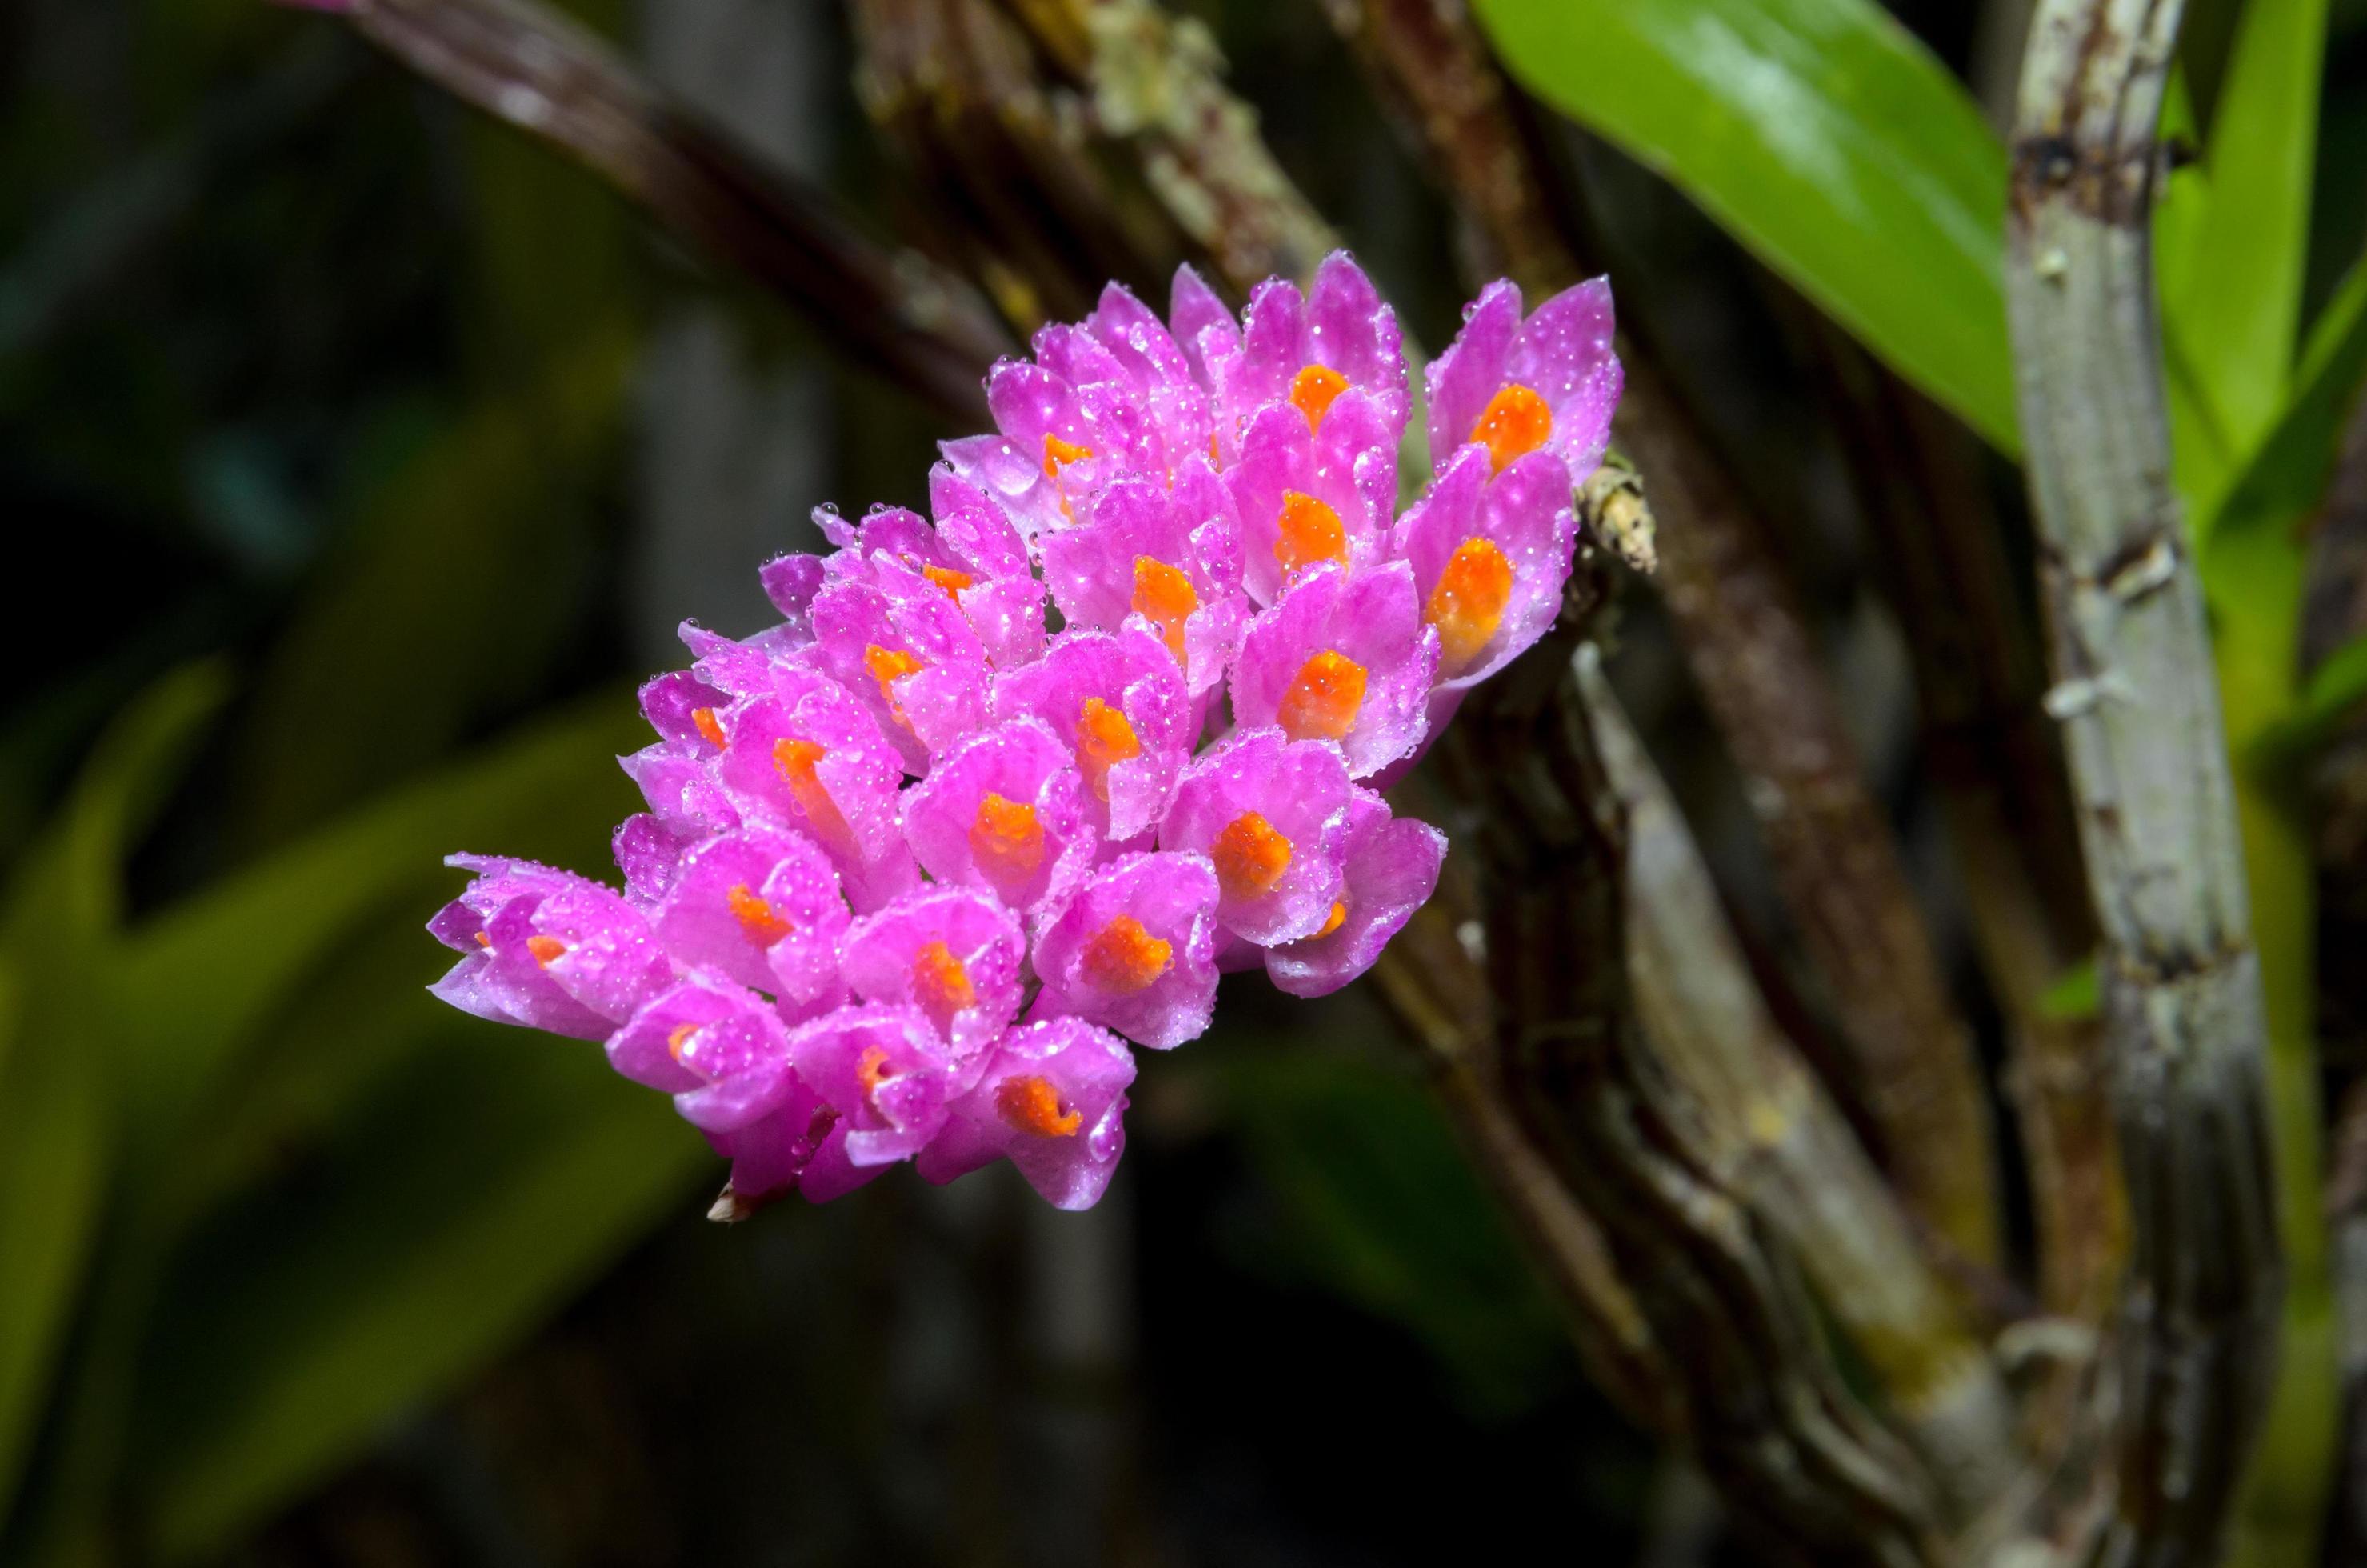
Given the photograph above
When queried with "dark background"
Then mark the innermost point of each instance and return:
(425, 437)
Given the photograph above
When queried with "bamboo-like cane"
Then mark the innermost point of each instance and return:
(2135, 693)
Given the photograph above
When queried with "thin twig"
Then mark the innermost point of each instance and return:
(2137, 694)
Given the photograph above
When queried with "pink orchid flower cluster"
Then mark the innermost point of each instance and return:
(916, 869)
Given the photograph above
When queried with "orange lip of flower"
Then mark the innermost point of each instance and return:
(1006, 839)
(871, 1070)
(1338, 917)
(1032, 1105)
(1324, 698)
(1058, 454)
(1516, 423)
(545, 949)
(1306, 532)
(941, 984)
(1251, 857)
(888, 666)
(1163, 597)
(1468, 603)
(757, 918)
(1122, 958)
(1104, 739)
(951, 581)
(678, 1038)
(1312, 390)
(796, 760)
(709, 726)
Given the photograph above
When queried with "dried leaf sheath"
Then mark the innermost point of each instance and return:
(1791, 1448)
(1788, 1152)
(2140, 707)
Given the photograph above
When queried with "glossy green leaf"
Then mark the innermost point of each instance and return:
(1825, 137)
(2231, 285)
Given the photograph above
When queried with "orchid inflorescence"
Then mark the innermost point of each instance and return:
(916, 869)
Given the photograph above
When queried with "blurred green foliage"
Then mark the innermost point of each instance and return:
(258, 1193)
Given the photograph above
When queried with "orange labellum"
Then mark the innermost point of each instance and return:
(795, 760)
(1006, 839)
(756, 917)
(1059, 454)
(871, 1070)
(1307, 533)
(678, 1038)
(951, 581)
(1468, 603)
(1122, 958)
(1323, 699)
(940, 981)
(545, 948)
(1338, 919)
(888, 666)
(709, 726)
(1104, 739)
(1251, 857)
(1312, 390)
(1516, 423)
(1032, 1105)
(1163, 597)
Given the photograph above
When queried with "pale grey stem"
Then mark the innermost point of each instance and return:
(2136, 694)
(1787, 1150)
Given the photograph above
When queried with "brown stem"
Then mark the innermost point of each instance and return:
(1939, 550)
(1835, 858)
(523, 63)
(2335, 614)
(1791, 1448)
(976, 110)
(1791, 1155)
(1440, 994)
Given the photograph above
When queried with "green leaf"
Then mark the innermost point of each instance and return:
(2203, 447)
(2288, 471)
(57, 1062)
(2232, 284)
(201, 980)
(484, 1178)
(2333, 695)
(248, 1019)
(1826, 139)
(2076, 994)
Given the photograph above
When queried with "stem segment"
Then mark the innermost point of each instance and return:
(2137, 693)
